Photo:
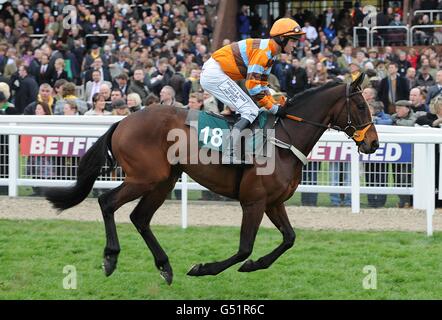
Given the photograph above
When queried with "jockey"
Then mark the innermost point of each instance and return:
(252, 60)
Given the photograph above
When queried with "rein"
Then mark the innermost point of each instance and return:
(359, 131)
(358, 134)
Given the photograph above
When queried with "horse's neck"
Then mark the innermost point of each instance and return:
(304, 136)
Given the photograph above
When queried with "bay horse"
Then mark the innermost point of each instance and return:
(138, 144)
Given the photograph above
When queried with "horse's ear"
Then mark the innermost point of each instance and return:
(358, 82)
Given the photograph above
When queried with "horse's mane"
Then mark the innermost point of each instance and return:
(299, 98)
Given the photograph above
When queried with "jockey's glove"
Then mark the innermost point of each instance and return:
(281, 113)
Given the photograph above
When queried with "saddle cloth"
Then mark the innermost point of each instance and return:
(214, 130)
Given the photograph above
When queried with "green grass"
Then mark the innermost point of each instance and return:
(322, 265)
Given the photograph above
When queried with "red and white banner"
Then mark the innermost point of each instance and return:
(55, 146)
(341, 151)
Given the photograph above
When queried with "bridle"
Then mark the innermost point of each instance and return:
(355, 132)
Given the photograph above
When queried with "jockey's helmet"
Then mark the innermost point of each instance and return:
(284, 29)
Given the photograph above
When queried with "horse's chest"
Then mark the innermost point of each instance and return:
(292, 186)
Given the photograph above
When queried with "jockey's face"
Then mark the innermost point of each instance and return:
(289, 47)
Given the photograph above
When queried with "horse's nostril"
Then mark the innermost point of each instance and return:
(375, 145)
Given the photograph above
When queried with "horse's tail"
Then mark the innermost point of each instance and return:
(88, 171)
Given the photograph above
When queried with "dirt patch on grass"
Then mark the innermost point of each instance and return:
(229, 214)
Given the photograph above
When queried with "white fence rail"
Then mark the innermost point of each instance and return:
(412, 32)
(356, 41)
(392, 35)
(431, 13)
(423, 164)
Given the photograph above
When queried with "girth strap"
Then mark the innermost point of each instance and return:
(290, 147)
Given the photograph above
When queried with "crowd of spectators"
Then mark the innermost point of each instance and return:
(73, 55)
(117, 49)
(115, 57)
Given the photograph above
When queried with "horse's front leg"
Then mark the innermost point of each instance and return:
(278, 216)
(251, 219)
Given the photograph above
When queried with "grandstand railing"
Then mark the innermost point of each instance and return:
(101, 35)
(413, 28)
(19, 169)
(356, 42)
(408, 35)
(429, 12)
(376, 28)
(98, 35)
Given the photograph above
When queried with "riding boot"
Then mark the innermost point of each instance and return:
(232, 155)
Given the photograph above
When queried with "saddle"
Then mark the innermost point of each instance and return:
(209, 126)
(264, 120)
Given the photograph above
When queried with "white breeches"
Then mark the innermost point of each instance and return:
(217, 83)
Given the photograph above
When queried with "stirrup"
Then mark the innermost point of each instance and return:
(230, 156)
(231, 159)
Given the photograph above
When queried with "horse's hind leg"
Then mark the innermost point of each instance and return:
(251, 219)
(141, 217)
(278, 216)
(109, 203)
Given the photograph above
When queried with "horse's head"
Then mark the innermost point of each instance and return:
(354, 118)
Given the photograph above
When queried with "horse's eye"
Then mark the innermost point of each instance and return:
(361, 106)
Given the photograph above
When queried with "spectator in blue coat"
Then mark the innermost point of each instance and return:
(378, 114)
(281, 70)
(330, 32)
(244, 23)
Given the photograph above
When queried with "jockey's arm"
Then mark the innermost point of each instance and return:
(257, 83)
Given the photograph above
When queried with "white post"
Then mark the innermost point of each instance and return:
(420, 172)
(184, 200)
(430, 154)
(355, 181)
(440, 173)
(13, 164)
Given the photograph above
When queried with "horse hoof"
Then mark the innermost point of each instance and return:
(109, 265)
(247, 266)
(167, 277)
(195, 270)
